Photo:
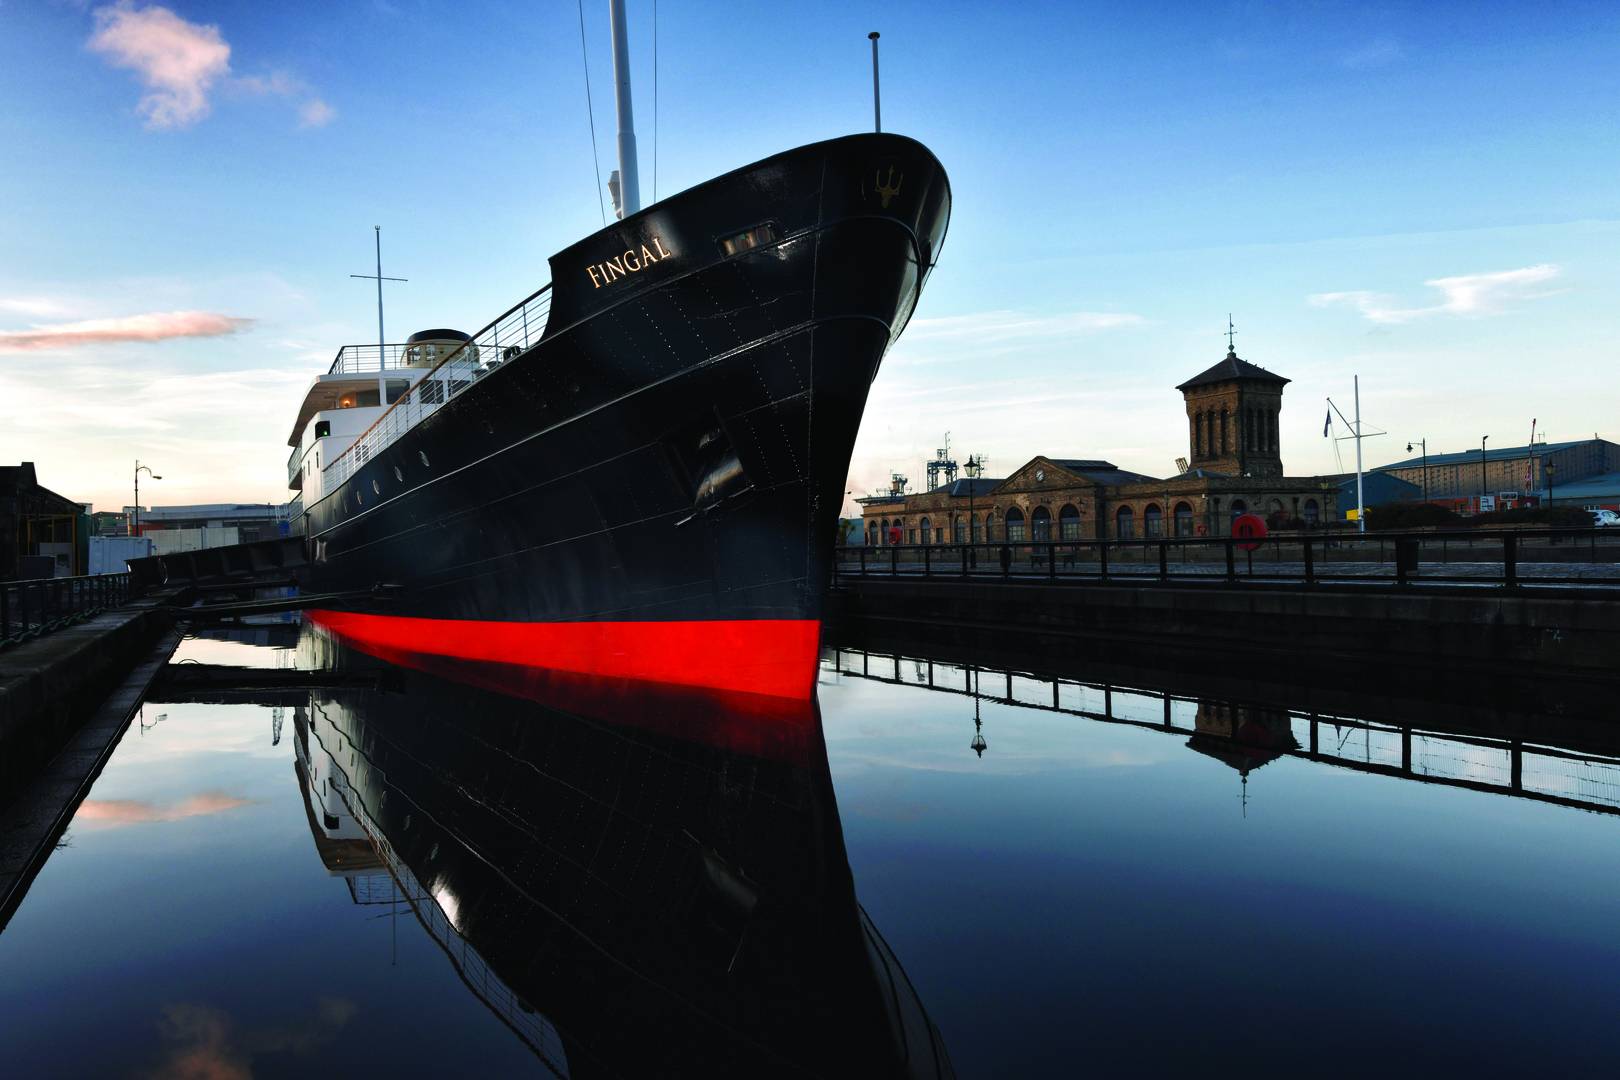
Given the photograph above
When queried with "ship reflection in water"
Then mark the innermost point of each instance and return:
(644, 882)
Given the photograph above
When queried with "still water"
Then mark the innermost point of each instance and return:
(408, 873)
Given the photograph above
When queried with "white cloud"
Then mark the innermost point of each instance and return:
(315, 113)
(180, 61)
(1464, 294)
(152, 326)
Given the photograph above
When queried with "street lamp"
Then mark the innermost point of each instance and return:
(1424, 443)
(135, 524)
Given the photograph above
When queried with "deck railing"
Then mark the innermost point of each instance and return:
(359, 359)
(507, 338)
(1588, 558)
(29, 609)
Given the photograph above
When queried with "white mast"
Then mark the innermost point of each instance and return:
(629, 179)
(1361, 508)
(1358, 435)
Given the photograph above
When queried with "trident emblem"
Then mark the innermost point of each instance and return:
(887, 188)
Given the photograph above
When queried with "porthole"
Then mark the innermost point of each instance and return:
(423, 455)
(399, 474)
(376, 488)
(359, 498)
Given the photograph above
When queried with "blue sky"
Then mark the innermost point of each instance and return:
(1422, 194)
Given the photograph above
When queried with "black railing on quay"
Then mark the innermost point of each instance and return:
(31, 608)
(1507, 558)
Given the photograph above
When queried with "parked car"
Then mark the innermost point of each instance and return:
(1605, 518)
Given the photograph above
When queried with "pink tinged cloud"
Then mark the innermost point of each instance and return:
(177, 60)
(112, 813)
(153, 326)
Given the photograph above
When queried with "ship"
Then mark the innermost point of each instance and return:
(637, 470)
(629, 902)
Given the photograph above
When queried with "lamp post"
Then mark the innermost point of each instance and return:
(974, 469)
(1424, 443)
(1482, 439)
(135, 525)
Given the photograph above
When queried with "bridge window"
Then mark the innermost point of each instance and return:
(1125, 524)
(1184, 519)
(1015, 526)
(1069, 523)
(1153, 521)
(1042, 523)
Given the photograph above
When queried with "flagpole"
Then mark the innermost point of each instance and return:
(1361, 509)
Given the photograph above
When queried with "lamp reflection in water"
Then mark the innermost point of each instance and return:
(638, 880)
(978, 745)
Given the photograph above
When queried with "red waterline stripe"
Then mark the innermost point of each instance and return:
(775, 657)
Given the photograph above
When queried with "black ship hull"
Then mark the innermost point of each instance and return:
(656, 484)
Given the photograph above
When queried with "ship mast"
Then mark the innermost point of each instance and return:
(629, 194)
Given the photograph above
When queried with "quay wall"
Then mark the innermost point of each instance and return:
(50, 686)
(1440, 635)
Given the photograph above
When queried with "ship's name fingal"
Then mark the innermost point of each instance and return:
(631, 262)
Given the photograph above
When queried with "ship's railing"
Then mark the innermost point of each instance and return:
(508, 337)
(358, 359)
(295, 514)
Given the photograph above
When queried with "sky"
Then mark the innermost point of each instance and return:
(1419, 194)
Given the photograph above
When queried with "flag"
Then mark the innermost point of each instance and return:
(1327, 424)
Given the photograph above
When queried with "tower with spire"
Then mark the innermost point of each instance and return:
(1233, 412)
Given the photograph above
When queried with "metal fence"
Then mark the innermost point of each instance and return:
(1503, 558)
(505, 339)
(31, 608)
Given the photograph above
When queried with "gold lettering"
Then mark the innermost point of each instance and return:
(632, 261)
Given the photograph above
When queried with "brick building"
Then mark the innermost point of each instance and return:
(36, 525)
(1236, 468)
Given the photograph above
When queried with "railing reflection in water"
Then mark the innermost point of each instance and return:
(1580, 779)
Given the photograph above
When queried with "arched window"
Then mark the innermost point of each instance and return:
(1239, 508)
(1184, 519)
(1152, 521)
(926, 535)
(1069, 523)
(975, 530)
(1313, 512)
(958, 529)
(1015, 526)
(1124, 524)
(1041, 524)
(989, 526)
(872, 534)
(883, 536)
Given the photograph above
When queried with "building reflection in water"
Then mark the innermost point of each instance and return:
(643, 882)
(1572, 761)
